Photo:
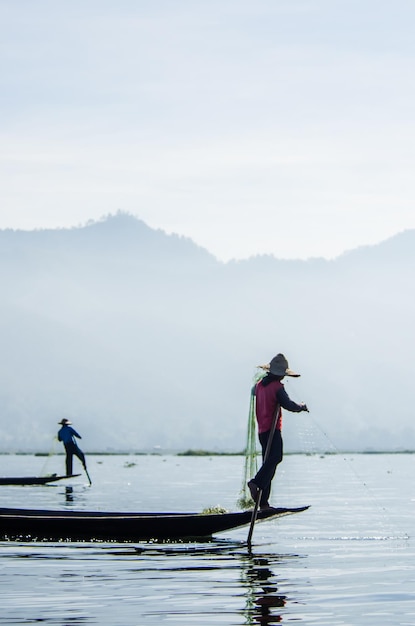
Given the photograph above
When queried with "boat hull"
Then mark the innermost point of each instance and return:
(33, 480)
(39, 525)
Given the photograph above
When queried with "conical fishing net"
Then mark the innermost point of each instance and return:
(250, 468)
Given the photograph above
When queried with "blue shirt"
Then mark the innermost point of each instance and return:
(67, 435)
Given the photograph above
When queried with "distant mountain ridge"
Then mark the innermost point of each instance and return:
(146, 339)
(132, 234)
(122, 233)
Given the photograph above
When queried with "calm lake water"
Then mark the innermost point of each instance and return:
(349, 559)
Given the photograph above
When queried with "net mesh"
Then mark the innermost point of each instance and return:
(251, 465)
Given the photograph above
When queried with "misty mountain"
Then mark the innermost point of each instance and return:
(145, 339)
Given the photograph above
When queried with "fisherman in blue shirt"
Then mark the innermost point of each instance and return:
(67, 435)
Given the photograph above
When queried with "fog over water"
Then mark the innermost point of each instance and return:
(145, 339)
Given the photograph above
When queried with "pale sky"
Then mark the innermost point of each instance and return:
(265, 126)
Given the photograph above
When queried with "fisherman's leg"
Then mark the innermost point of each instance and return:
(81, 456)
(266, 473)
(275, 457)
(259, 481)
(265, 493)
(68, 462)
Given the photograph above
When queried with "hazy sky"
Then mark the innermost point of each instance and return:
(263, 126)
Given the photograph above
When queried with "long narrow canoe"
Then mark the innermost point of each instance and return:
(32, 480)
(40, 525)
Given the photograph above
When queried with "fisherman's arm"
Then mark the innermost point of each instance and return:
(286, 403)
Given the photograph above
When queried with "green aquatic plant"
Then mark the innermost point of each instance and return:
(214, 509)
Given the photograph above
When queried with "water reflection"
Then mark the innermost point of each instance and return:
(74, 494)
(258, 577)
(264, 599)
(216, 582)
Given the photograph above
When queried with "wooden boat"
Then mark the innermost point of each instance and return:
(40, 525)
(32, 480)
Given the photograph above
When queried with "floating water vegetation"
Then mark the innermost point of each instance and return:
(214, 509)
(208, 453)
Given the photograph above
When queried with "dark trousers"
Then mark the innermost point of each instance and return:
(72, 449)
(266, 473)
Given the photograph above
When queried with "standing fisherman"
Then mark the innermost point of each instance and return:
(67, 435)
(270, 396)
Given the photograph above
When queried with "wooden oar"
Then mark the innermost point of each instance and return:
(259, 494)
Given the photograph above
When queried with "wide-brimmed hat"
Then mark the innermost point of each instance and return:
(64, 422)
(279, 367)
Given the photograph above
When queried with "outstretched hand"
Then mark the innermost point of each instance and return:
(305, 407)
